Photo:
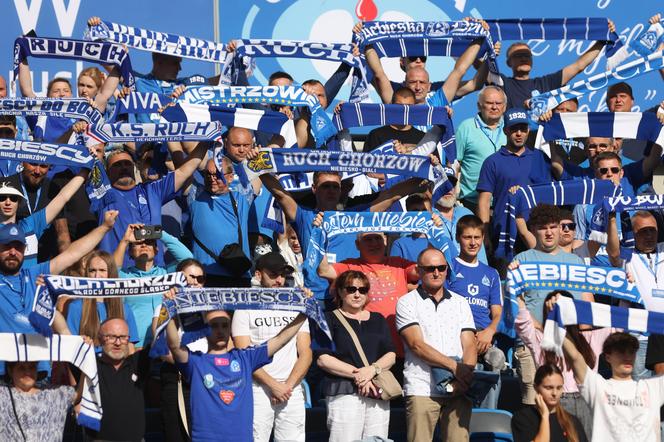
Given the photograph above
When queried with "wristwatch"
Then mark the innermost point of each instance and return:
(377, 368)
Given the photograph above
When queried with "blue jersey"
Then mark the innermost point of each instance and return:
(480, 285)
(75, 312)
(222, 401)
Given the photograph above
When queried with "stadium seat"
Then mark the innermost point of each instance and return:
(490, 425)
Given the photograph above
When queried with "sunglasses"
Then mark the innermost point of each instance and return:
(605, 170)
(199, 278)
(430, 269)
(350, 289)
(422, 58)
(12, 198)
(568, 226)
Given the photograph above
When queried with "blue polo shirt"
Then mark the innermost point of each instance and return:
(140, 205)
(17, 293)
(222, 402)
(503, 170)
(475, 141)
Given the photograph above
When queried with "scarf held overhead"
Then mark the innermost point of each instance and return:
(98, 52)
(45, 153)
(78, 108)
(600, 219)
(17, 347)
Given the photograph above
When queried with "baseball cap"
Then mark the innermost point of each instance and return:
(11, 232)
(514, 116)
(274, 262)
(6, 189)
(617, 88)
(451, 175)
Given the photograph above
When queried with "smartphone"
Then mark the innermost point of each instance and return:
(147, 232)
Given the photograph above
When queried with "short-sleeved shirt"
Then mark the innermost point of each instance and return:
(535, 298)
(339, 247)
(140, 205)
(518, 91)
(75, 310)
(261, 325)
(34, 227)
(449, 229)
(222, 406)
(526, 422)
(475, 142)
(623, 410)
(17, 293)
(503, 170)
(442, 324)
(383, 134)
(480, 285)
(409, 246)
(648, 272)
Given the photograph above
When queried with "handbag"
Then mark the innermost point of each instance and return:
(388, 385)
(231, 257)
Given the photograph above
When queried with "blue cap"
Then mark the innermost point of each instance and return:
(517, 115)
(451, 174)
(10, 233)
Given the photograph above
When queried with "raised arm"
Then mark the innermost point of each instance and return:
(24, 80)
(185, 171)
(390, 196)
(179, 352)
(326, 270)
(285, 200)
(121, 249)
(571, 70)
(612, 242)
(286, 334)
(81, 247)
(653, 160)
(107, 89)
(56, 205)
(572, 355)
(460, 68)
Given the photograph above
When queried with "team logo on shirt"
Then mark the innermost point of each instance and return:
(485, 281)
(459, 275)
(235, 366)
(227, 396)
(13, 231)
(473, 289)
(142, 200)
(208, 381)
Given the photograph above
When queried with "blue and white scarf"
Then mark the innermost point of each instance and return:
(622, 203)
(571, 311)
(160, 132)
(46, 153)
(193, 300)
(63, 48)
(643, 45)
(369, 114)
(337, 52)
(97, 185)
(139, 103)
(43, 310)
(77, 108)
(557, 193)
(321, 125)
(548, 100)
(632, 125)
(252, 119)
(155, 41)
(18, 347)
(336, 223)
(401, 39)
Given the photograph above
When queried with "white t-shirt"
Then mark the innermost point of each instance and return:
(624, 411)
(261, 325)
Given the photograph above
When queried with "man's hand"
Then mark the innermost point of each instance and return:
(546, 116)
(178, 91)
(130, 233)
(513, 265)
(318, 221)
(463, 374)
(358, 27)
(280, 392)
(436, 220)
(484, 339)
(337, 108)
(231, 46)
(612, 26)
(80, 127)
(379, 176)
(513, 189)
(94, 21)
(109, 218)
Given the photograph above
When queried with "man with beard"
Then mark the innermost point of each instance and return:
(121, 380)
(140, 203)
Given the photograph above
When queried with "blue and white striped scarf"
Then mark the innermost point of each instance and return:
(571, 311)
(189, 301)
(632, 125)
(336, 223)
(321, 125)
(337, 52)
(63, 48)
(43, 310)
(643, 45)
(45, 153)
(18, 347)
(77, 108)
(557, 193)
(369, 114)
(622, 203)
(401, 39)
(549, 100)
(155, 41)
(160, 132)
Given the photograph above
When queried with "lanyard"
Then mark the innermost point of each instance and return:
(27, 198)
(650, 264)
(488, 133)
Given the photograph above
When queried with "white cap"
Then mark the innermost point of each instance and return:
(6, 189)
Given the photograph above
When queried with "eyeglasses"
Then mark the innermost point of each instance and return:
(605, 170)
(198, 278)
(12, 198)
(595, 146)
(568, 226)
(430, 269)
(422, 58)
(350, 289)
(115, 338)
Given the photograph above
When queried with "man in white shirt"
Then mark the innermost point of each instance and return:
(623, 409)
(438, 329)
(278, 395)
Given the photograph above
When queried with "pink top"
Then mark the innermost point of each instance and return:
(532, 338)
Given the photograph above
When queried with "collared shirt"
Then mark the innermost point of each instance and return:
(648, 271)
(475, 142)
(441, 323)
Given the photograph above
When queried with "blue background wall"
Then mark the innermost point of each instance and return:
(316, 20)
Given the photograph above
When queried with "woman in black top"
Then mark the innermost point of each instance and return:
(354, 408)
(547, 421)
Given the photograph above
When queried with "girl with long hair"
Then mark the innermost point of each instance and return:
(547, 420)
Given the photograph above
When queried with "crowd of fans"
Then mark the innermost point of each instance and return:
(391, 302)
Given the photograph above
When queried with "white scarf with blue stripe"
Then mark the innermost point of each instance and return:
(18, 347)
